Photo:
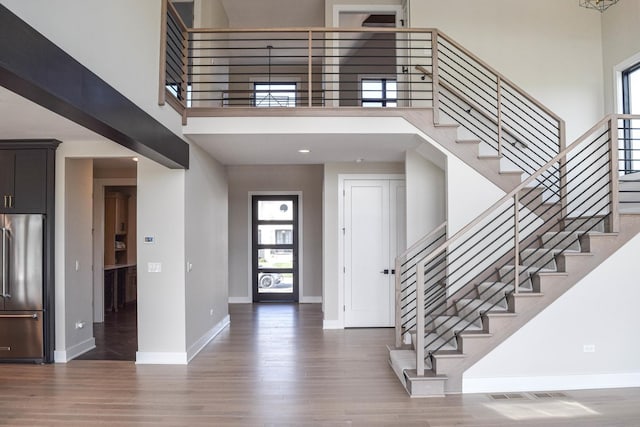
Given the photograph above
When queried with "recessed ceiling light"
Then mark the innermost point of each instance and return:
(359, 160)
(304, 150)
(135, 159)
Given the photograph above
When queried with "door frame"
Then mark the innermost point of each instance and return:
(250, 195)
(341, 236)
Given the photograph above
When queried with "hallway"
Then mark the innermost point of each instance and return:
(275, 366)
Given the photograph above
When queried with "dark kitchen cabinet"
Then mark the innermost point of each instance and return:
(23, 181)
(27, 186)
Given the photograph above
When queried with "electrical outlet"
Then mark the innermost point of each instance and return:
(589, 348)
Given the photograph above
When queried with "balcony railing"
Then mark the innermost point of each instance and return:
(207, 71)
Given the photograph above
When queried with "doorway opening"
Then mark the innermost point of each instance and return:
(115, 261)
(275, 237)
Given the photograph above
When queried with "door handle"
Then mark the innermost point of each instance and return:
(11, 201)
(5, 263)
(385, 271)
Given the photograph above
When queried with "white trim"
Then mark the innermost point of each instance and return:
(332, 324)
(367, 8)
(341, 264)
(207, 337)
(310, 300)
(300, 238)
(550, 383)
(64, 356)
(617, 80)
(161, 358)
(240, 300)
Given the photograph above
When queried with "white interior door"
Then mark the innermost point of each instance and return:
(371, 218)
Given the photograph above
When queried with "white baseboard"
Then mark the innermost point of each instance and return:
(161, 358)
(194, 349)
(550, 383)
(311, 300)
(63, 356)
(240, 300)
(332, 324)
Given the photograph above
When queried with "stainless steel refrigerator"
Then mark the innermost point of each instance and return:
(21, 281)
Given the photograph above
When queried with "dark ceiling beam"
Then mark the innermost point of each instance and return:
(35, 68)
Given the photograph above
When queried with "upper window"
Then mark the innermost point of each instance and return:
(379, 93)
(274, 94)
(630, 152)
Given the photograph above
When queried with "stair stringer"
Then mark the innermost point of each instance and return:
(465, 150)
(525, 306)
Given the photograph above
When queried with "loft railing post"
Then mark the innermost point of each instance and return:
(420, 319)
(162, 81)
(562, 170)
(614, 220)
(398, 312)
(516, 243)
(310, 70)
(499, 112)
(434, 76)
(185, 72)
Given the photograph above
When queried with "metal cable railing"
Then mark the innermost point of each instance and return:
(361, 67)
(405, 279)
(503, 250)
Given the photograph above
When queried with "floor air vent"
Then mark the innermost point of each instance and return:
(508, 396)
(543, 395)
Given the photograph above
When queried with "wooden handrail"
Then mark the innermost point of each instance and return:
(525, 183)
(417, 244)
(174, 12)
(502, 77)
(311, 29)
(398, 278)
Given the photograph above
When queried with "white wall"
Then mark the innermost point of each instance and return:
(550, 48)
(206, 249)
(620, 46)
(304, 178)
(78, 292)
(547, 353)
(426, 196)
(331, 231)
(209, 14)
(119, 40)
(161, 296)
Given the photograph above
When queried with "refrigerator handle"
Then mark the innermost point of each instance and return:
(5, 262)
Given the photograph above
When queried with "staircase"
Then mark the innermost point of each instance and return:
(458, 298)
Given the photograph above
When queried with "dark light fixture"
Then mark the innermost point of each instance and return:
(600, 5)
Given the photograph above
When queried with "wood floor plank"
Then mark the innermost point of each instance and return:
(275, 366)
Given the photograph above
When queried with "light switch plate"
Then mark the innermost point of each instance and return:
(154, 267)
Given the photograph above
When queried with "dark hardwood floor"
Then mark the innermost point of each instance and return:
(276, 366)
(117, 337)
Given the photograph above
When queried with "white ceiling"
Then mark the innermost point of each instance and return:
(280, 149)
(23, 119)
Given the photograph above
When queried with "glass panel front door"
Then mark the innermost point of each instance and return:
(275, 248)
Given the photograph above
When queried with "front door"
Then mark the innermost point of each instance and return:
(374, 234)
(275, 248)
